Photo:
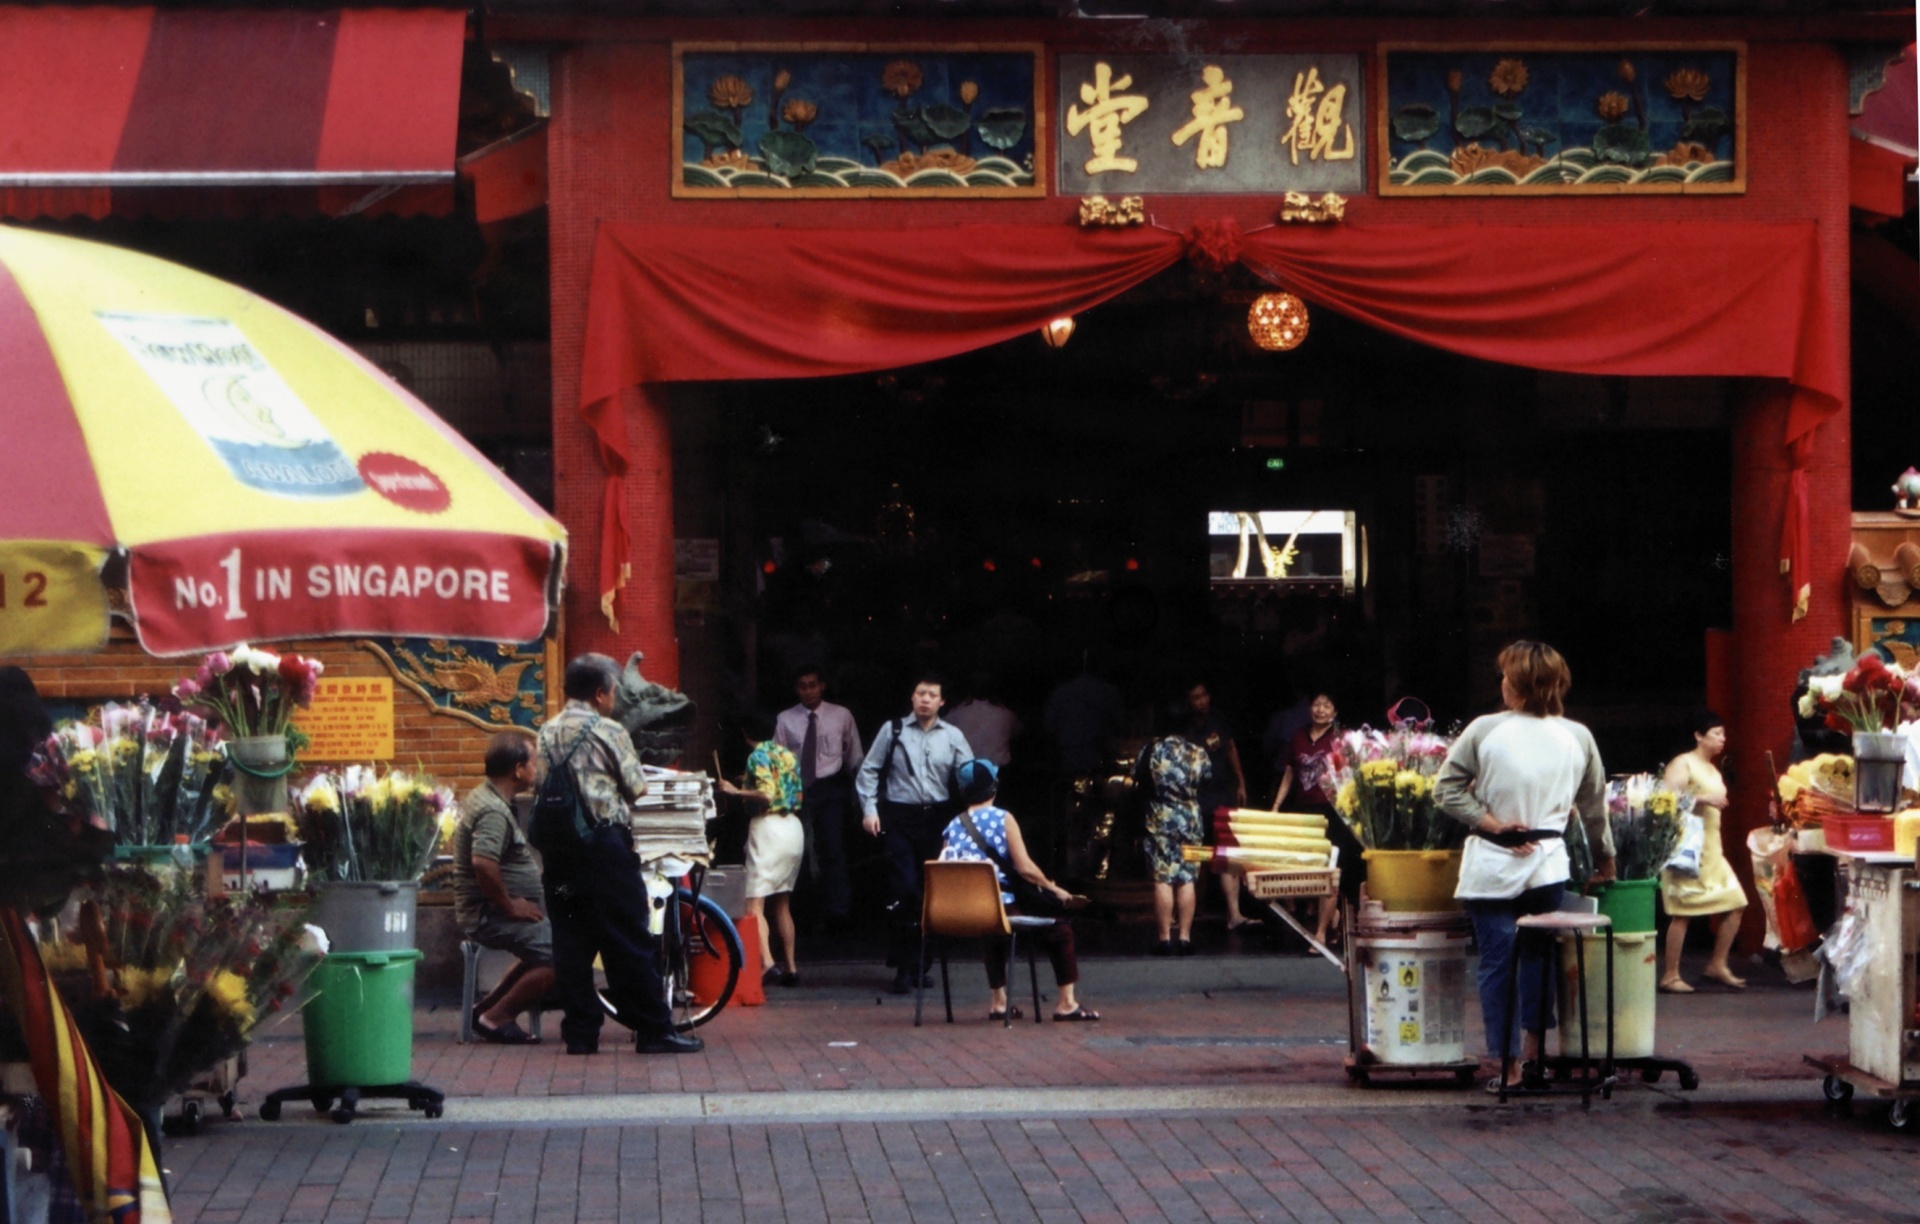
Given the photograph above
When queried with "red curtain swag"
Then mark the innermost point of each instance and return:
(669, 304)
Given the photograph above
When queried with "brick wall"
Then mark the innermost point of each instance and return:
(448, 749)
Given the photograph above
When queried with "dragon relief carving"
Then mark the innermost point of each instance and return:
(458, 680)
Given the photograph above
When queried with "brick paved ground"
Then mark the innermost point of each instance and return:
(1213, 1089)
(1208, 1020)
(1632, 1160)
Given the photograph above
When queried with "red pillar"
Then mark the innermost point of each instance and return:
(1768, 648)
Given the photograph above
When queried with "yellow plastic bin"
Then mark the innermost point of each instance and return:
(1636, 975)
(1413, 881)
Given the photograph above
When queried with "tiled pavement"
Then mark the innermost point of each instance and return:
(1212, 1089)
(1633, 1160)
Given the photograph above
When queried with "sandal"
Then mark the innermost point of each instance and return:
(1079, 1015)
(1726, 978)
(1003, 1016)
(1675, 986)
(509, 1033)
(1493, 1086)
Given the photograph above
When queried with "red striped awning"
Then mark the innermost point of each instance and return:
(135, 98)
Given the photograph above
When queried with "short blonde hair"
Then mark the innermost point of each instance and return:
(1539, 677)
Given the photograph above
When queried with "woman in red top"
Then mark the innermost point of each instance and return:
(1309, 770)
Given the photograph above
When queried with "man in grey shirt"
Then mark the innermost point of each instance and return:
(906, 788)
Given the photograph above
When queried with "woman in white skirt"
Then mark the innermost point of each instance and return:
(775, 842)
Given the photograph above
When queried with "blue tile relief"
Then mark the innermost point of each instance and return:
(862, 121)
(1541, 120)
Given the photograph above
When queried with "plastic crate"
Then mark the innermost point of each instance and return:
(1271, 885)
(1845, 833)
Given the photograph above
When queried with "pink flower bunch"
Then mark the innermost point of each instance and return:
(251, 692)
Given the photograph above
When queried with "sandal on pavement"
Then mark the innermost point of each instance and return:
(1003, 1017)
(1079, 1015)
(1675, 986)
(1493, 1086)
(1726, 978)
(509, 1033)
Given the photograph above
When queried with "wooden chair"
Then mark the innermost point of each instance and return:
(961, 900)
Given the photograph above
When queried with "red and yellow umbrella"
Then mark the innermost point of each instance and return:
(241, 474)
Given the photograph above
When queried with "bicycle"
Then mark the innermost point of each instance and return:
(693, 925)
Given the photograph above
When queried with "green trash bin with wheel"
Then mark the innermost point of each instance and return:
(359, 1030)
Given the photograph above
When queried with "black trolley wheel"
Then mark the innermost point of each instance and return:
(269, 1110)
(1836, 1089)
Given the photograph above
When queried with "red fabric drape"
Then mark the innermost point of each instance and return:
(671, 304)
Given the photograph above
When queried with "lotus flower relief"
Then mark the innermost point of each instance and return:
(1611, 106)
(901, 78)
(1687, 84)
(1508, 78)
(730, 93)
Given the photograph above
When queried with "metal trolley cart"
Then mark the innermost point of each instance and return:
(1883, 1032)
(1406, 980)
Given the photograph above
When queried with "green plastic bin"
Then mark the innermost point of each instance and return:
(359, 1020)
(1630, 904)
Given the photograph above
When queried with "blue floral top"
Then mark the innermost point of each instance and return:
(1179, 769)
(776, 774)
(957, 845)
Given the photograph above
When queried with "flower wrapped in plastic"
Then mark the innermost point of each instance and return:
(362, 825)
(167, 983)
(145, 773)
(1383, 787)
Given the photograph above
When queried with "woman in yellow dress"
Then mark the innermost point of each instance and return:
(1715, 893)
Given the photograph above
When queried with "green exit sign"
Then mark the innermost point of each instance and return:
(1276, 464)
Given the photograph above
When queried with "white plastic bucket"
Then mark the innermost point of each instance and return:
(1414, 996)
(1636, 975)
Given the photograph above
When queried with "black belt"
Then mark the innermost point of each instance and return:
(922, 809)
(1519, 837)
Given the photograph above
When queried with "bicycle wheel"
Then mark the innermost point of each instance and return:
(702, 930)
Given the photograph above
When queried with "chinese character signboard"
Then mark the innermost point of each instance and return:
(1192, 125)
(845, 120)
(351, 719)
(1538, 121)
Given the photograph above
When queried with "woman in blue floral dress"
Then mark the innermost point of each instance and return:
(1174, 769)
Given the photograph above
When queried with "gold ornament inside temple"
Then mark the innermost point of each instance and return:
(1058, 332)
(1277, 321)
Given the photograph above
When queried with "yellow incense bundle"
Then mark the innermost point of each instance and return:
(1277, 841)
(1253, 817)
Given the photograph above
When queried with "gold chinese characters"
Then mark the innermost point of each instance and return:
(1213, 109)
(1107, 113)
(1314, 122)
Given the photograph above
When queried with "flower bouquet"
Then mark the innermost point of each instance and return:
(145, 774)
(167, 983)
(1872, 701)
(360, 825)
(253, 694)
(1384, 788)
(1647, 816)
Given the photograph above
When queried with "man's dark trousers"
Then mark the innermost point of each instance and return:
(912, 834)
(825, 811)
(599, 908)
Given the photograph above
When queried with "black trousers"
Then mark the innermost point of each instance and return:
(599, 908)
(911, 834)
(825, 812)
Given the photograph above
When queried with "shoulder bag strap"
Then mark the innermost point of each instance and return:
(886, 765)
(986, 848)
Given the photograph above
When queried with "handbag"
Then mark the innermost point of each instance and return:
(1029, 898)
(1693, 842)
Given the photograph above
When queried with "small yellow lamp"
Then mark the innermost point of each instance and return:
(1058, 332)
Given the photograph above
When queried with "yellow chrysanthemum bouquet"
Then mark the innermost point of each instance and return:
(166, 982)
(362, 825)
(1383, 787)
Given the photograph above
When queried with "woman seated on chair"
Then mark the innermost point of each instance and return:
(1004, 848)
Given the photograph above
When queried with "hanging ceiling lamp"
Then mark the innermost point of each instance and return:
(1277, 321)
(1058, 332)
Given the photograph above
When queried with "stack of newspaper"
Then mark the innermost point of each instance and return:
(671, 818)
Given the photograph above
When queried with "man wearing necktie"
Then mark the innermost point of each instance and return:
(826, 742)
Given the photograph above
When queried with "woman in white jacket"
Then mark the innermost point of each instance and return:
(1514, 778)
